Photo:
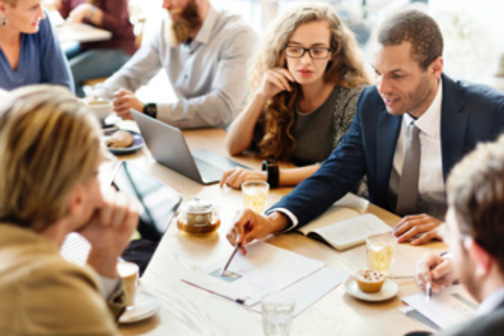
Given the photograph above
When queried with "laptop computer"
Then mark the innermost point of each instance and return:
(168, 146)
(159, 203)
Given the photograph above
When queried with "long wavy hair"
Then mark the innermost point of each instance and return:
(345, 68)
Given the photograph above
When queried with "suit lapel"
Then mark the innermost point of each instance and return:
(387, 132)
(453, 125)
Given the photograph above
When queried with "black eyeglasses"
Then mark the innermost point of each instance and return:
(315, 53)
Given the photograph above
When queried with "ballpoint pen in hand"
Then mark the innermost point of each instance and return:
(428, 291)
(230, 259)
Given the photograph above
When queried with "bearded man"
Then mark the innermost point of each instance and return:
(204, 52)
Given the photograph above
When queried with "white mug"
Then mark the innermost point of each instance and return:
(128, 272)
(101, 108)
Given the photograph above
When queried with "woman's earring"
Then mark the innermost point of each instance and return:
(3, 20)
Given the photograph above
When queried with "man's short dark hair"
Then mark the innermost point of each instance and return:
(417, 28)
(476, 194)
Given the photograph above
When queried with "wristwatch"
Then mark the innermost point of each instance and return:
(150, 109)
(271, 168)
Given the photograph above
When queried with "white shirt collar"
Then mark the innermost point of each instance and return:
(491, 302)
(430, 122)
(205, 32)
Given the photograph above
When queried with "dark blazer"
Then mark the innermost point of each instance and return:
(470, 113)
(491, 324)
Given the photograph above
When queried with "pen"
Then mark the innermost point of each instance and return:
(428, 291)
(230, 259)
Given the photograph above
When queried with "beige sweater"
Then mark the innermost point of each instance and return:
(43, 294)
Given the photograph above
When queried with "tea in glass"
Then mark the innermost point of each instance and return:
(380, 252)
(254, 195)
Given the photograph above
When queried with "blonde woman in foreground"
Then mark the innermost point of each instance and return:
(49, 157)
(306, 80)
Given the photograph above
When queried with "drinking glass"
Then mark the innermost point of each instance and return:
(380, 252)
(277, 310)
(255, 194)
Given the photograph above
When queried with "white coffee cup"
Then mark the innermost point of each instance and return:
(128, 272)
(101, 108)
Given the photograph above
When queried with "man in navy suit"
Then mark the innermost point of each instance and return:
(475, 234)
(412, 99)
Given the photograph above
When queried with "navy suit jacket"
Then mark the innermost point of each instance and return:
(469, 114)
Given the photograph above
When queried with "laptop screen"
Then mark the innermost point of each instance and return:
(159, 203)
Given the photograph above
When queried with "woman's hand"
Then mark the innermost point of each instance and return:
(109, 231)
(275, 81)
(236, 176)
(78, 14)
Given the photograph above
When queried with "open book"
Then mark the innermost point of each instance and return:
(344, 225)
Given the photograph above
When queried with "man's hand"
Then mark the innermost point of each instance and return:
(236, 176)
(436, 269)
(110, 230)
(249, 225)
(421, 227)
(124, 101)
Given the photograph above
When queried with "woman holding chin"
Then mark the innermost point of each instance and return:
(305, 80)
(29, 51)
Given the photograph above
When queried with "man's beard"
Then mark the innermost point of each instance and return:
(180, 29)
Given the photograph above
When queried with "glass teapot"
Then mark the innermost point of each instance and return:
(197, 217)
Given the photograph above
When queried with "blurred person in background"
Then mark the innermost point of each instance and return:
(30, 53)
(98, 59)
(204, 52)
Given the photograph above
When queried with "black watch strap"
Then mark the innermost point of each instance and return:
(271, 168)
(150, 109)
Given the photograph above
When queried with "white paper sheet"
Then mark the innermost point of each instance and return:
(452, 306)
(312, 288)
(264, 269)
(353, 201)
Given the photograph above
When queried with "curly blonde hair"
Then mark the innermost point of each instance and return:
(345, 68)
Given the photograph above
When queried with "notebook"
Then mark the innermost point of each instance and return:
(159, 204)
(345, 225)
(168, 146)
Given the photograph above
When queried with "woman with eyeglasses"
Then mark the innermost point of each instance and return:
(29, 50)
(305, 82)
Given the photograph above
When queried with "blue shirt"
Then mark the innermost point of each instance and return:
(40, 61)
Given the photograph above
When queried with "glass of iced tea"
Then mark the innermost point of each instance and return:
(255, 194)
(380, 252)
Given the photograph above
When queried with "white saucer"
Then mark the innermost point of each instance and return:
(145, 306)
(388, 291)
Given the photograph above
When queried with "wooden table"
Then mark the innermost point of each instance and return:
(81, 32)
(186, 310)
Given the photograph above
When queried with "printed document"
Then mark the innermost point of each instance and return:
(452, 306)
(264, 269)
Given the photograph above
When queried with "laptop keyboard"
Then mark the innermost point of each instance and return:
(207, 171)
